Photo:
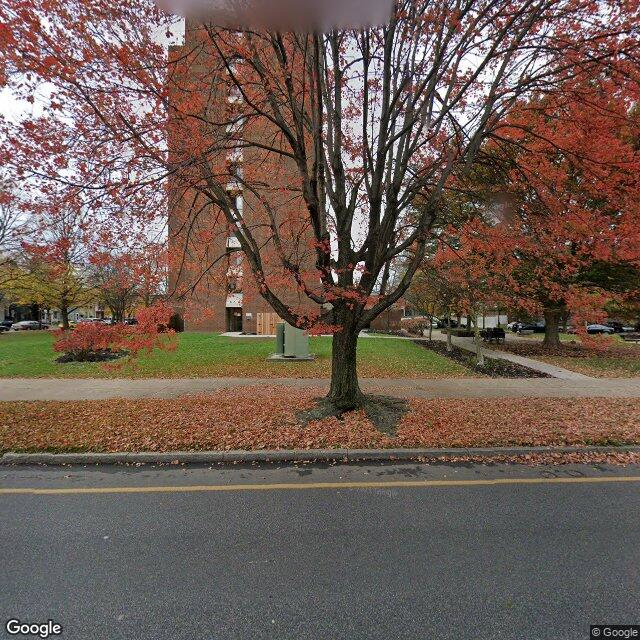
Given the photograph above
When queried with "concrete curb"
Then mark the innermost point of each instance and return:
(292, 455)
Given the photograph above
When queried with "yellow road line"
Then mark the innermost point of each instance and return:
(392, 484)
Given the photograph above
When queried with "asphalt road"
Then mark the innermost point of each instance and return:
(169, 555)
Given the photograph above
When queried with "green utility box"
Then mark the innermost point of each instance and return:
(280, 339)
(291, 344)
(296, 342)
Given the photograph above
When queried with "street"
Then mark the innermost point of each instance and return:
(355, 552)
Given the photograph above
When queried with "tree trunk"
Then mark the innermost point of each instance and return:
(478, 341)
(449, 345)
(552, 328)
(345, 390)
(64, 314)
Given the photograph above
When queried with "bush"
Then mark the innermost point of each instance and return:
(176, 323)
(462, 333)
(416, 326)
(88, 342)
(91, 342)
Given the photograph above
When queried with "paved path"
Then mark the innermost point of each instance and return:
(349, 553)
(92, 389)
(537, 365)
(468, 344)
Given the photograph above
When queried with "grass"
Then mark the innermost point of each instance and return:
(30, 355)
(564, 337)
(599, 366)
(617, 359)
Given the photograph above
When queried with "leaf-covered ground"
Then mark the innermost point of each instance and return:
(265, 418)
(619, 360)
(30, 355)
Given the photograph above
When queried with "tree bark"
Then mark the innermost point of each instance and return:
(449, 345)
(64, 314)
(552, 328)
(345, 391)
(478, 343)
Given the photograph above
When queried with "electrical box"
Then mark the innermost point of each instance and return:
(280, 339)
(296, 342)
(292, 344)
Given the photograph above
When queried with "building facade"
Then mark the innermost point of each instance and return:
(210, 284)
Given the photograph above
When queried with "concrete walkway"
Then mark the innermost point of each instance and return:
(468, 344)
(92, 389)
(537, 365)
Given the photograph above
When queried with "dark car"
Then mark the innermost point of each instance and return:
(443, 323)
(536, 327)
(6, 323)
(595, 329)
(618, 327)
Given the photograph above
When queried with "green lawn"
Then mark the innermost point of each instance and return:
(30, 355)
(564, 337)
(600, 366)
(619, 360)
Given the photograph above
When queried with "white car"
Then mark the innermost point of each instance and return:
(28, 325)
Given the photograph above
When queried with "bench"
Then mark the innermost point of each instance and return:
(631, 337)
(496, 333)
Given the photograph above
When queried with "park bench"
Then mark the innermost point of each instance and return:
(631, 337)
(495, 333)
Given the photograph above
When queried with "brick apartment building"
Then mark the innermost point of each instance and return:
(224, 298)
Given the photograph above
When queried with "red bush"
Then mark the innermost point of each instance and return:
(89, 340)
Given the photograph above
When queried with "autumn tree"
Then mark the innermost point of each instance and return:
(565, 238)
(12, 231)
(51, 268)
(339, 132)
(128, 278)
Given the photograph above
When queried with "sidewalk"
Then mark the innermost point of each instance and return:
(12, 389)
(468, 344)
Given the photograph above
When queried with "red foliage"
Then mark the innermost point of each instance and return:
(269, 421)
(86, 339)
(90, 338)
(565, 214)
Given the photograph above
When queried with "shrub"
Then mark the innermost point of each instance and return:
(462, 333)
(90, 342)
(416, 326)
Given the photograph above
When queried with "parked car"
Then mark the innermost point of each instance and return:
(536, 327)
(514, 326)
(72, 324)
(29, 325)
(616, 326)
(599, 328)
(6, 323)
(4, 328)
(443, 323)
(131, 321)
